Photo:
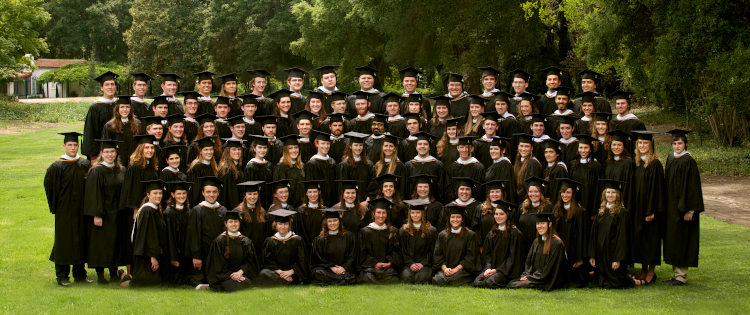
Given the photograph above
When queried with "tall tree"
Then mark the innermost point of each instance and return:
(18, 18)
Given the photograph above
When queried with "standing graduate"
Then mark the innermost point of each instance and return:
(526, 165)
(586, 170)
(538, 133)
(378, 247)
(173, 171)
(474, 121)
(100, 207)
(314, 108)
(190, 125)
(547, 103)
(503, 255)
(141, 86)
(459, 98)
(408, 146)
(377, 137)
(229, 89)
(416, 240)
(310, 212)
(282, 110)
(99, 114)
(520, 82)
(338, 104)
(625, 120)
(684, 205)
(355, 216)
(489, 82)
(250, 106)
(526, 108)
(355, 165)
(501, 167)
(291, 167)
(206, 128)
(389, 163)
(205, 223)
(426, 164)
(568, 142)
(456, 254)
(333, 259)
(275, 146)
(232, 263)
(423, 191)
(589, 81)
(203, 165)
(175, 136)
(620, 166)
(465, 166)
(507, 123)
(328, 81)
(410, 80)
(647, 212)
(323, 167)
(231, 173)
(303, 127)
(123, 127)
(281, 192)
(150, 239)
(484, 214)
(362, 122)
(396, 122)
(610, 239)
(222, 109)
(555, 168)
(562, 102)
(571, 223)
(169, 86)
(366, 82)
(295, 81)
(398, 211)
(464, 191)
(535, 202)
(600, 129)
(436, 125)
(258, 82)
(546, 263)
(255, 223)
(586, 111)
(338, 139)
(64, 184)
(482, 144)
(258, 168)
(285, 258)
(176, 218)
(447, 146)
(205, 86)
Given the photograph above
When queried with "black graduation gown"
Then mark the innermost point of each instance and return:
(352, 221)
(222, 129)
(432, 167)
(253, 129)
(425, 104)
(98, 115)
(150, 239)
(289, 254)
(575, 236)
(402, 186)
(205, 107)
(183, 153)
(546, 104)
(275, 152)
(374, 146)
(582, 126)
(175, 107)
(609, 243)
(318, 169)
(168, 175)
(306, 150)
(482, 224)
(452, 251)
(482, 151)
(127, 144)
(295, 175)
(235, 105)
(601, 104)
(360, 125)
(260, 172)
(177, 222)
(450, 154)
(196, 189)
(474, 170)
(628, 125)
(204, 225)
(232, 195)
(284, 127)
(64, 184)
(505, 255)
(506, 128)
(132, 189)
(338, 147)
(460, 106)
(377, 103)
(547, 272)
(417, 249)
(433, 212)
(102, 193)
(397, 127)
(503, 170)
(569, 152)
(552, 175)
(534, 168)
(219, 269)
(298, 104)
(524, 126)
(622, 171)
(312, 218)
(191, 129)
(650, 194)
(444, 218)
(378, 246)
(588, 196)
(527, 224)
(334, 250)
(140, 109)
(257, 231)
(436, 130)
(684, 193)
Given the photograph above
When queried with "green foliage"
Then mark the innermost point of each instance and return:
(18, 18)
(88, 29)
(48, 113)
(85, 74)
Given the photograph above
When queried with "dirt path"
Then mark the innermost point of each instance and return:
(726, 198)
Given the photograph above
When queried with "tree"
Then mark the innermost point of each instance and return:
(18, 18)
(84, 74)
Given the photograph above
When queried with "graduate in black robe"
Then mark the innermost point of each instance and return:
(501, 167)
(398, 212)
(101, 206)
(176, 219)
(625, 120)
(64, 184)
(503, 255)
(99, 113)
(610, 241)
(426, 164)
(390, 165)
(464, 192)
(546, 264)
(456, 257)
(137, 103)
(292, 168)
(123, 131)
(526, 165)
(170, 173)
(586, 170)
(200, 167)
(190, 123)
(684, 205)
(555, 169)
(255, 223)
(483, 220)
(378, 247)
(355, 166)
(258, 168)
(333, 258)
(571, 223)
(416, 240)
(620, 166)
(232, 262)
(423, 191)
(322, 167)
(356, 215)
(150, 239)
(205, 223)
(231, 173)
(285, 257)
(535, 202)
(465, 166)
(310, 211)
(450, 149)
(337, 138)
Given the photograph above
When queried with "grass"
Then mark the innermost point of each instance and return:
(28, 282)
(51, 113)
(714, 159)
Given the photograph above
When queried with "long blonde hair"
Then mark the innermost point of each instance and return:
(98, 162)
(228, 165)
(424, 229)
(543, 202)
(198, 160)
(615, 205)
(650, 156)
(286, 158)
(391, 165)
(471, 126)
(138, 158)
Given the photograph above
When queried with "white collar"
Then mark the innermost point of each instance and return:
(643, 157)
(501, 227)
(461, 203)
(378, 137)
(474, 120)
(377, 227)
(235, 234)
(584, 118)
(320, 157)
(567, 112)
(601, 138)
(249, 121)
(440, 119)
(544, 238)
(467, 162)
(507, 114)
(209, 205)
(126, 119)
(206, 162)
(675, 154)
(296, 94)
(566, 206)
(501, 159)
(70, 158)
(425, 199)
(137, 99)
(312, 205)
(190, 119)
(426, 159)
(105, 100)
(409, 93)
(490, 93)
(331, 232)
(397, 117)
(256, 160)
(339, 137)
(156, 143)
(303, 139)
(628, 116)
(584, 161)
(365, 117)
(169, 98)
(387, 160)
(536, 204)
(569, 141)
(485, 137)
(293, 161)
(249, 205)
(609, 205)
(321, 88)
(416, 225)
(348, 205)
(453, 141)
(493, 204)
(371, 91)
(107, 164)
(357, 158)
(204, 98)
(236, 162)
(221, 120)
(411, 137)
(457, 96)
(172, 169)
(540, 139)
(285, 237)
(456, 231)
(617, 158)
(553, 94)
(284, 115)
(182, 206)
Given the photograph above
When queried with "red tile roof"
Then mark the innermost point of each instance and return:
(55, 63)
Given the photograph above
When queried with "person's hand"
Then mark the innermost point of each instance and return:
(286, 275)
(592, 261)
(98, 221)
(489, 272)
(688, 216)
(237, 276)
(578, 264)
(649, 218)
(416, 267)
(524, 278)
(386, 265)
(197, 264)
(338, 270)
(616, 265)
(364, 203)
(154, 264)
(449, 272)
(175, 263)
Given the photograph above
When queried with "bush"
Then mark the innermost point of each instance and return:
(51, 113)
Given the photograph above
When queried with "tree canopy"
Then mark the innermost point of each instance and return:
(18, 20)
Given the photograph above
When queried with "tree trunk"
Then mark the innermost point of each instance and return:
(729, 128)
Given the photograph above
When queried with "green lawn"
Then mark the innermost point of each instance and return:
(27, 282)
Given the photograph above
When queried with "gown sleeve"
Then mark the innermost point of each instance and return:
(51, 186)
(250, 264)
(93, 202)
(300, 266)
(351, 256)
(146, 240)
(469, 262)
(216, 264)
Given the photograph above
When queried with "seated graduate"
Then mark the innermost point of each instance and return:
(356, 213)
(150, 240)
(610, 239)
(503, 255)
(456, 251)
(378, 247)
(255, 223)
(232, 263)
(546, 265)
(387, 189)
(484, 214)
(423, 190)
(284, 254)
(258, 168)
(417, 244)
(205, 222)
(571, 223)
(176, 218)
(464, 187)
(310, 211)
(334, 252)
(534, 203)
(426, 164)
(339, 142)
(281, 192)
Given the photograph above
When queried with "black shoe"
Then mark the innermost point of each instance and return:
(63, 283)
(84, 280)
(676, 282)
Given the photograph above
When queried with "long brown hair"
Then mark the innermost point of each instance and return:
(560, 206)
(470, 126)
(615, 205)
(549, 235)
(116, 125)
(391, 165)
(543, 202)
(98, 162)
(306, 200)
(199, 160)
(169, 137)
(519, 168)
(138, 158)
(424, 229)
(496, 227)
(322, 115)
(444, 142)
(217, 144)
(533, 108)
(388, 225)
(460, 234)
(349, 156)
(260, 213)
(172, 203)
(607, 138)
(227, 164)
(359, 209)
(286, 158)
(436, 120)
(487, 207)
(324, 231)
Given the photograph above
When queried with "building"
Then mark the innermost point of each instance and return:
(27, 86)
